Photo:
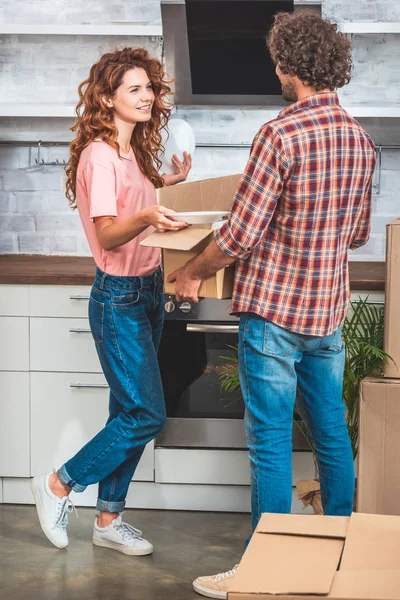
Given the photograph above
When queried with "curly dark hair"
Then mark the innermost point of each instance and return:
(312, 48)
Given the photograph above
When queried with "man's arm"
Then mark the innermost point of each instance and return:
(363, 230)
(253, 208)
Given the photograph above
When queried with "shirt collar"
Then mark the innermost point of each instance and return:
(322, 99)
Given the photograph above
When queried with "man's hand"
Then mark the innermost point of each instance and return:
(186, 286)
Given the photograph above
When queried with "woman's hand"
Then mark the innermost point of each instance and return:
(182, 169)
(158, 217)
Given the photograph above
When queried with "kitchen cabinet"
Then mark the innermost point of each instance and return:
(14, 424)
(14, 349)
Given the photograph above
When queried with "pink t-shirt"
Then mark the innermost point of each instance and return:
(107, 185)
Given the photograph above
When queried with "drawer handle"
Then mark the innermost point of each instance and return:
(79, 297)
(79, 330)
(89, 385)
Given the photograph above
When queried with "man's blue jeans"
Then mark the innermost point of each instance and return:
(126, 318)
(275, 365)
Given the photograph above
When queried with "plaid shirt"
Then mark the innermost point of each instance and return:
(303, 201)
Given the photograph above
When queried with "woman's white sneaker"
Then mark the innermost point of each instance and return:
(215, 586)
(122, 537)
(52, 511)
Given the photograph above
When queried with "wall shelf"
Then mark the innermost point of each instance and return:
(125, 29)
(68, 110)
(369, 27)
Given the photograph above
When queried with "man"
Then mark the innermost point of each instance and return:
(303, 201)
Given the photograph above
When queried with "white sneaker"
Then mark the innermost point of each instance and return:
(52, 511)
(215, 586)
(122, 537)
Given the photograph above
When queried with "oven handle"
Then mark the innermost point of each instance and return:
(209, 328)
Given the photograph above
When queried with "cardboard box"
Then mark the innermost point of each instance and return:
(306, 557)
(378, 479)
(392, 299)
(180, 246)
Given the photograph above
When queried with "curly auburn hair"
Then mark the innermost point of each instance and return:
(312, 48)
(95, 119)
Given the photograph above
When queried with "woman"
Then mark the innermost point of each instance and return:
(111, 178)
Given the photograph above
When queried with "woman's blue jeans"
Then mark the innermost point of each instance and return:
(126, 318)
(275, 365)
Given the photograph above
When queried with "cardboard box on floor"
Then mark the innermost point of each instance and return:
(309, 557)
(378, 477)
(392, 299)
(180, 246)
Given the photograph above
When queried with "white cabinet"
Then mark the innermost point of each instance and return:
(14, 300)
(59, 301)
(14, 424)
(14, 348)
(67, 410)
(62, 345)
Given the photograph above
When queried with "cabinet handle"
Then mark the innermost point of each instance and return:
(89, 385)
(79, 297)
(211, 328)
(79, 330)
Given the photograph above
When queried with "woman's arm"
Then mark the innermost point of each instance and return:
(111, 235)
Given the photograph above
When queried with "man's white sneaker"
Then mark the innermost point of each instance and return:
(122, 537)
(215, 586)
(52, 511)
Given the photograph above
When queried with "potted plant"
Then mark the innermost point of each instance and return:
(363, 333)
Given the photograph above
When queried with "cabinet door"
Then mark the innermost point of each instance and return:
(59, 300)
(14, 300)
(67, 410)
(14, 347)
(14, 424)
(62, 345)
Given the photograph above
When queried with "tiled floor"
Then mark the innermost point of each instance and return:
(187, 544)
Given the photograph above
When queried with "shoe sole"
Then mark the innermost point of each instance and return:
(40, 511)
(209, 593)
(120, 548)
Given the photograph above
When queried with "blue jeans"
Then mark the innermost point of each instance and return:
(126, 319)
(275, 365)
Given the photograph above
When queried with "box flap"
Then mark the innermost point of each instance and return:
(372, 543)
(207, 194)
(291, 564)
(366, 585)
(304, 525)
(185, 239)
(380, 381)
(395, 222)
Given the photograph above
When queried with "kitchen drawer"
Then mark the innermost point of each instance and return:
(67, 410)
(59, 300)
(14, 347)
(14, 300)
(223, 467)
(14, 424)
(62, 345)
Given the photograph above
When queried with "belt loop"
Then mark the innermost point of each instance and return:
(103, 277)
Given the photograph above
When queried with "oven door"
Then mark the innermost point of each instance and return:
(199, 412)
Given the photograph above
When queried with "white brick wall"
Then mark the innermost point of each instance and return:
(34, 213)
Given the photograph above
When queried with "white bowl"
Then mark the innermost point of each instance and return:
(200, 217)
(180, 140)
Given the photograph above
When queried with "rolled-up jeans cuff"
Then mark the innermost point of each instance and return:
(67, 480)
(112, 507)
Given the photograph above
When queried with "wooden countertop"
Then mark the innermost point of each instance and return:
(79, 270)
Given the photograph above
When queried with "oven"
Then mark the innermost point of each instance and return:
(196, 340)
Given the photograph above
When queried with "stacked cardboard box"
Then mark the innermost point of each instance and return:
(378, 482)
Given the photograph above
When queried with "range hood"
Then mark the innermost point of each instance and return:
(215, 50)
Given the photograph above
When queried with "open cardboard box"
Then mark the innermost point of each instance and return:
(309, 557)
(180, 246)
(392, 299)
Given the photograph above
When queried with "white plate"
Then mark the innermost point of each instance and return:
(200, 217)
(180, 140)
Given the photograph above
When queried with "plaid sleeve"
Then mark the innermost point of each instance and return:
(257, 196)
(363, 230)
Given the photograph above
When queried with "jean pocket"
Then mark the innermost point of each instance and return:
(333, 343)
(125, 300)
(96, 319)
(278, 341)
